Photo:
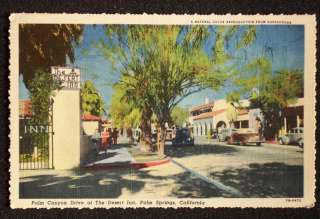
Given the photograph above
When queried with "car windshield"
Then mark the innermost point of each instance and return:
(182, 132)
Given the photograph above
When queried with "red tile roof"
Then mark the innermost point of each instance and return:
(209, 114)
(243, 111)
(89, 117)
(203, 106)
(25, 108)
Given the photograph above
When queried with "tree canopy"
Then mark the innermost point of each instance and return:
(161, 65)
(179, 115)
(270, 91)
(168, 62)
(41, 88)
(44, 45)
(122, 113)
(91, 100)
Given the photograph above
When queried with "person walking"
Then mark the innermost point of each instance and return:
(259, 127)
(115, 136)
(105, 140)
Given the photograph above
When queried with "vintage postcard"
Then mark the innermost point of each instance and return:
(135, 111)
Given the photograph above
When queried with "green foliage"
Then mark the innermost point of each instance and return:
(283, 88)
(44, 45)
(249, 36)
(271, 92)
(123, 114)
(41, 89)
(161, 65)
(179, 115)
(91, 101)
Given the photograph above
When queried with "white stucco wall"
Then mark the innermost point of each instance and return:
(90, 127)
(221, 117)
(220, 104)
(66, 126)
(204, 123)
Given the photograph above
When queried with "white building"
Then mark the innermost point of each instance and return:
(213, 115)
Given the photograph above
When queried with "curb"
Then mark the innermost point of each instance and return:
(135, 165)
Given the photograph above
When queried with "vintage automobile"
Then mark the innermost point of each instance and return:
(225, 133)
(183, 138)
(244, 137)
(294, 136)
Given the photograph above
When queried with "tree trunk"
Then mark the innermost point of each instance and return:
(145, 138)
(161, 139)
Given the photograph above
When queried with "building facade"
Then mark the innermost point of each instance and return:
(212, 116)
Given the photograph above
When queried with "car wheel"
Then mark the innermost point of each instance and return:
(258, 143)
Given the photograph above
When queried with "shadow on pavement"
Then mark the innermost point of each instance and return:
(96, 184)
(184, 151)
(112, 183)
(264, 180)
(255, 180)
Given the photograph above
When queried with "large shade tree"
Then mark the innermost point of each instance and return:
(161, 65)
(44, 45)
(283, 88)
(270, 91)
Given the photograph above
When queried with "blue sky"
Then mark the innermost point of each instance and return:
(286, 43)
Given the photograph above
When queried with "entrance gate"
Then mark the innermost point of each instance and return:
(36, 143)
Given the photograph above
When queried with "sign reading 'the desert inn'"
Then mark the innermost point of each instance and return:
(68, 77)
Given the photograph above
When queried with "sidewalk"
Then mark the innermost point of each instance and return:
(122, 155)
(118, 156)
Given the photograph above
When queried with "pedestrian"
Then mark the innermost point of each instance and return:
(115, 136)
(105, 140)
(109, 136)
(259, 126)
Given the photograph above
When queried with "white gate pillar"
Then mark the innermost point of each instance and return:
(66, 120)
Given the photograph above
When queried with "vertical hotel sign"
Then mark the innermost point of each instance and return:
(68, 77)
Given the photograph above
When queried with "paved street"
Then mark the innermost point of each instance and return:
(208, 169)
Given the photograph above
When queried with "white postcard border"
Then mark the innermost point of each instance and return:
(309, 111)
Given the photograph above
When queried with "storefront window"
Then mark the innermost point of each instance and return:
(237, 124)
(245, 124)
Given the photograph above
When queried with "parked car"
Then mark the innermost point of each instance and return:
(225, 133)
(183, 137)
(244, 137)
(294, 136)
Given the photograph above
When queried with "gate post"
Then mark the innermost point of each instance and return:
(66, 119)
